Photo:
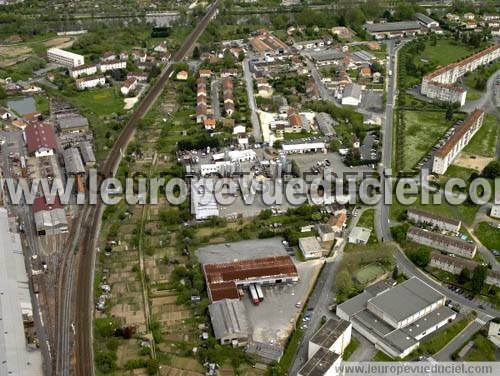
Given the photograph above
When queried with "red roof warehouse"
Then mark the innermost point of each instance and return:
(40, 138)
(222, 279)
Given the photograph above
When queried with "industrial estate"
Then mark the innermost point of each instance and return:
(255, 94)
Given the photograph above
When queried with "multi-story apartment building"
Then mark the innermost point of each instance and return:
(449, 244)
(460, 137)
(442, 223)
(90, 82)
(112, 65)
(440, 84)
(65, 58)
(83, 70)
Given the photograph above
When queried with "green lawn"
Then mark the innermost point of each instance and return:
(381, 357)
(488, 235)
(473, 95)
(99, 101)
(349, 350)
(446, 51)
(484, 141)
(483, 350)
(464, 212)
(441, 339)
(42, 104)
(422, 131)
(482, 73)
(367, 220)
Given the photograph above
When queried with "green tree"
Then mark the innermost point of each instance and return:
(105, 361)
(3, 94)
(196, 53)
(478, 278)
(420, 257)
(344, 282)
(464, 276)
(449, 113)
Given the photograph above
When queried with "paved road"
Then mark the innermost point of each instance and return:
(487, 100)
(321, 298)
(325, 94)
(214, 97)
(445, 354)
(254, 118)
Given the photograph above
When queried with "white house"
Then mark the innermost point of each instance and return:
(90, 82)
(83, 70)
(495, 211)
(351, 95)
(4, 114)
(128, 86)
(112, 65)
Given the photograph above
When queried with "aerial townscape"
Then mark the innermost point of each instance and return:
(248, 187)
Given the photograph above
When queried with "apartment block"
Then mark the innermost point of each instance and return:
(65, 58)
(449, 244)
(440, 84)
(461, 136)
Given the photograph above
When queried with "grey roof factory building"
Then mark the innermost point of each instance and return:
(229, 322)
(17, 355)
(395, 319)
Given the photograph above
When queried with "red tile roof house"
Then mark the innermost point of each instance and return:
(40, 139)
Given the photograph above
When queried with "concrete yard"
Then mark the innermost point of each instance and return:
(307, 161)
(273, 320)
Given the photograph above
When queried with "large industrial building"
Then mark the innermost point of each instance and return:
(395, 319)
(229, 322)
(40, 139)
(326, 348)
(440, 84)
(65, 58)
(461, 136)
(203, 203)
(18, 353)
(393, 29)
(224, 279)
(50, 216)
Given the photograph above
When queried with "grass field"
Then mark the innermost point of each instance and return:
(446, 51)
(367, 220)
(488, 235)
(422, 131)
(100, 101)
(368, 273)
(482, 73)
(465, 212)
(483, 350)
(473, 95)
(484, 141)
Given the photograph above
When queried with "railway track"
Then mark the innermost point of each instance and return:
(79, 295)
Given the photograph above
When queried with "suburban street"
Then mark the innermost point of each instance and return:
(320, 300)
(254, 118)
(214, 98)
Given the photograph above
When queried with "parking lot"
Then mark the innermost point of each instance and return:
(274, 318)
